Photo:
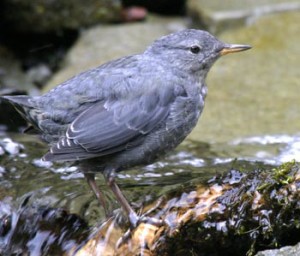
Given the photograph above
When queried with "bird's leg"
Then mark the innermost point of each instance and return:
(90, 177)
(110, 179)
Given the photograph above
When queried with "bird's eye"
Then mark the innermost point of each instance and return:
(195, 49)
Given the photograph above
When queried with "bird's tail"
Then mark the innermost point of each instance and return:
(21, 100)
(22, 104)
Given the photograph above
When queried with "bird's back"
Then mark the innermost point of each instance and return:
(119, 89)
(153, 99)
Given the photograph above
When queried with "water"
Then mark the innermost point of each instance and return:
(41, 202)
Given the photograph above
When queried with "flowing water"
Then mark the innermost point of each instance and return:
(37, 196)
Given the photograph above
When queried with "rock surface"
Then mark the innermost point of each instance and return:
(216, 15)
(46, 15)
(11, 75)
(284, 251)
(240, 212)
(256, 92)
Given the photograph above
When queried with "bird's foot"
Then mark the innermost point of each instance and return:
(150, 220)
(140, 224)
(136, 220)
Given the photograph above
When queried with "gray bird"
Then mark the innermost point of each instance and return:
(129, 111)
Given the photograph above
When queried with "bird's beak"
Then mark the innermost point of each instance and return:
(230, 48)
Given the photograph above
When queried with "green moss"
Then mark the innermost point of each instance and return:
(282, 173)
(256, 211)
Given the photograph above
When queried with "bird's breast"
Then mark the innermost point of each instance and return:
(183, 117)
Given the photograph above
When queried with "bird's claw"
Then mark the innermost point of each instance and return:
(150, 220)
(135, 221)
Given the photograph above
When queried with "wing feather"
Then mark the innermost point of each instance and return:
(109, 127)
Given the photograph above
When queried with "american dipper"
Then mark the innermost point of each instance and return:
(129, 111)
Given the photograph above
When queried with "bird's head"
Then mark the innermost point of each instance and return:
(192, 50)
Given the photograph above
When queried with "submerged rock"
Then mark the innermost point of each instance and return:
(240, 205)
(239, 212)
(39, 231)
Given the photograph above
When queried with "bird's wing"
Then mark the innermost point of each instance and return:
(108, 127)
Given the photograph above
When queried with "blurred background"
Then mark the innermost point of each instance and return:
(45, 42)
(252, 111)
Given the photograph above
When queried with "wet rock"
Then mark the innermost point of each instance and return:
(102, 43)
(39, 231)
(23, 177)
(216, 15)
(284, 251)
(258, 210)
(46, 15)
